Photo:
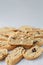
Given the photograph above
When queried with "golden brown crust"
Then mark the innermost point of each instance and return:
(33, 53)
(36, 32)
(6, 29)
(25, 28)
(15, 56)
(21, 39)
(38, 41)
(6, 45)
(29, 28)
(3, 53)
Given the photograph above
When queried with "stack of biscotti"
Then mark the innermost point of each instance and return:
(24, 42)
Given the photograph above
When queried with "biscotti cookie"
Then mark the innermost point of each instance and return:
(9, 32)
(29, 28)
(2, 37)
(21, 39)
(3, 53)
(6, 45)
(32, 31)
(33, 52)
(25, 28)
(37, 29)
(38, 34)
(15, 56)
(38, 41)
(6, 29)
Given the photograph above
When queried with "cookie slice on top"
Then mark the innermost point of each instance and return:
(15, 56)
(3, 53)
(33, 53)
(21, 39)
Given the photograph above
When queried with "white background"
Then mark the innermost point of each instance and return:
(22, 12)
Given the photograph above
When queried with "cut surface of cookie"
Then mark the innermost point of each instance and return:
(3, 53)
(37, 29)
(6, 29)
(25, 28)
(9, 32)
(38, 34)
(38, 41)
(21, 39)
(3, 38)
(15, 56)
(33, 53)
(6, 45)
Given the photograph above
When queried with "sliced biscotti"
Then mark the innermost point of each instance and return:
(15, 56)
(6, 45)
(6, 29)
(9, 32)
(3, 53)
(22, 39)
(37, 29)
(37, 32)
(33, 52)
(25, 28)
(30, 28)
(3, 38)
(38, 41)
